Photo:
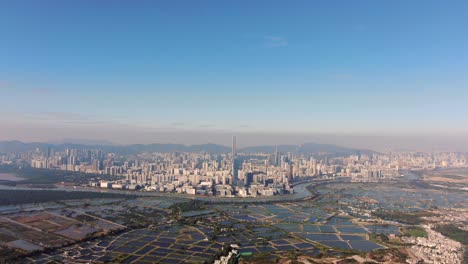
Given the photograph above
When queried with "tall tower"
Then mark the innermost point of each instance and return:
(277, 157)
(234, 147)
(235, 172)
(290, 172)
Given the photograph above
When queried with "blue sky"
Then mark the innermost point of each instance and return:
(241, 66)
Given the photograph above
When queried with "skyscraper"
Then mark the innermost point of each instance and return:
(277, 157)
(234, 162)
(290, 172)
(233, 147)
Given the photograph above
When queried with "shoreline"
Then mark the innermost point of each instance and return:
(300, 194)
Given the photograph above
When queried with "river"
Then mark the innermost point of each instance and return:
(300, 192)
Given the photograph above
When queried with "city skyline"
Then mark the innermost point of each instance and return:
(149, 69)
(265, 131)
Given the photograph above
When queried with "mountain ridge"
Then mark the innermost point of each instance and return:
(306, 148)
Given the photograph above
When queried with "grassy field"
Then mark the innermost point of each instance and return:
(11, 197)
(45, 176)
(414, 231)
(453, 232)
(413, 218)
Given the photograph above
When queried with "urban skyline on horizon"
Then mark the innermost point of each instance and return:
(179, 131)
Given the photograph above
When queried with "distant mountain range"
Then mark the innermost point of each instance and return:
(81, 141)
(307, 148)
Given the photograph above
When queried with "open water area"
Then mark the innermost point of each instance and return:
(409, 194)
(147, 229)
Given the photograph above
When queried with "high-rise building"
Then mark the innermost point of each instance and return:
(290, 172)
(49, 152)
(277, 157)
(235, 169)
(97, 165)
(248, 178)
(233, 147)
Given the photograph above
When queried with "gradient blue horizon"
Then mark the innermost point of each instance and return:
(295, 66)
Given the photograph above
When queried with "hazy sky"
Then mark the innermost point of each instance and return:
(123, 69)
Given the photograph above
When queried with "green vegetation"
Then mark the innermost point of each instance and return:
(11, 197)
(386, 241)
(378, 238)
(414, 231)
(388, 255)
(453, 232)
(411, 218)
(188, 206)
(139, 218)
(260, 258)
(292, 254)
(46, 176)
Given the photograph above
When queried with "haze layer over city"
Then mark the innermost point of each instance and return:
(233, 132)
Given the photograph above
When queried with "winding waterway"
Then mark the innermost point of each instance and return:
(300, 192)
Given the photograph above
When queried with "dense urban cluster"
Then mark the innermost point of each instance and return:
(228, 174)
(435, 248)
(402, 207)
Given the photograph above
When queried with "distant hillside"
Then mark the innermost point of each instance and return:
(133, 149)
(270, 149)
(329, 148)
(307, 148)
(17, 146)
(90, 142)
